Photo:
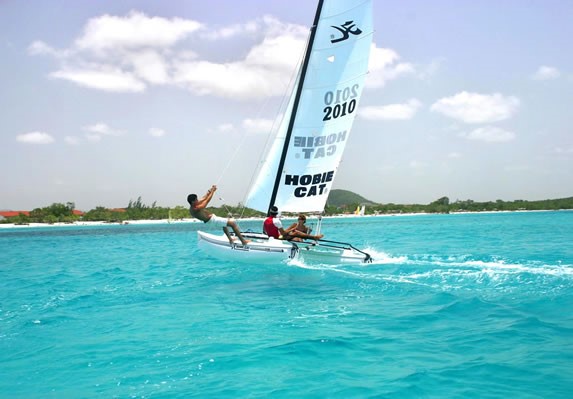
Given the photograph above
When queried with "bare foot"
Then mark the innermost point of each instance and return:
(246, 242)
(318, 237)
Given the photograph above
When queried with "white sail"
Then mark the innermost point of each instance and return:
(324, 111)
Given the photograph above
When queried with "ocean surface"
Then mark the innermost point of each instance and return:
(454, 306)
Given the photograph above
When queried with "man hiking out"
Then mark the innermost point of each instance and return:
(198, 211)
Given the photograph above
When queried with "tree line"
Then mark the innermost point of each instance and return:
(137, 210)
(444, 205)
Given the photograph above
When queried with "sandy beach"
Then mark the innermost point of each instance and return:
(191, 220)
(81, 223)
(161, 221)
(165, 221)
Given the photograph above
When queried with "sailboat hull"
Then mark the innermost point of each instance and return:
(263, 249)
(259, 250)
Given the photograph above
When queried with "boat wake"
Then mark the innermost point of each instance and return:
(455, 272)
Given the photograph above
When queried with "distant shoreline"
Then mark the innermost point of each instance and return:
(190, 220)
(80, 223)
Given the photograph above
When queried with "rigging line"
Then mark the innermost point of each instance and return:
(237, 148)
(243, 138)
(229, 213)
(274, 128)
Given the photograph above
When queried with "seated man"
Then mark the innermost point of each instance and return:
(198, 211)
(273, 227)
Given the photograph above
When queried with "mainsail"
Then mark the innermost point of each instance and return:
(301, 166)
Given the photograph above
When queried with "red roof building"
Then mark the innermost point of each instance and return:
(9, 214)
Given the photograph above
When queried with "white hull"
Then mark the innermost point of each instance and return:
(263, 249)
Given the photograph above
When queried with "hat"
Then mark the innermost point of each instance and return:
(274, 210)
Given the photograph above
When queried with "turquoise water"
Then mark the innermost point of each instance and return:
(455, 306)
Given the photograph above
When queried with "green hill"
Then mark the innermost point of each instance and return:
(344, 197)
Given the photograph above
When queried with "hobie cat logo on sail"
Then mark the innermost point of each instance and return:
(346, 29)
(313, 147)
(309, 185)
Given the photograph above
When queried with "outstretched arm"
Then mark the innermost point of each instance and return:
(204, 201)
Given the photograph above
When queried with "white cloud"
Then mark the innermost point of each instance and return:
(35, 138)
(102, 128)
(150, 66)
(40, 48)
(72, 140)
(258, 125)
(273, 27)
(281, 53)
(97, 131)
(136, 30)
(101, 77)
(186, 55)
(490, 134)
(392, 111)
(477, 108)
(118, 54)
(157, 132)
(546, 73)
(94, 138)
(231, 31)
(454, 155)
(268, 67)
(384, 65)
(226, 127)
(236, 80)
(265, 71)
(427, 71)
(124, 54)
(129, 53)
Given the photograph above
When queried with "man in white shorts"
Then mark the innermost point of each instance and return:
(198, 211)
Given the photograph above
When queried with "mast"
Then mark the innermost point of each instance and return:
(295, 105)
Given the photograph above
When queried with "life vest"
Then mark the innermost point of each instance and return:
(270, 229)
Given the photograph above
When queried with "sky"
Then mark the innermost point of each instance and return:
(104, 102)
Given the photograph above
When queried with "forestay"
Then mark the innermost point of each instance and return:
(314, 132)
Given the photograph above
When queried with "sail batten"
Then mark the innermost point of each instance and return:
(300, 169)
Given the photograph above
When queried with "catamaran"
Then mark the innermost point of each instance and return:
(299, 170)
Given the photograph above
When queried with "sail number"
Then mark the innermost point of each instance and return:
(340, 102)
